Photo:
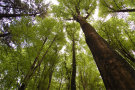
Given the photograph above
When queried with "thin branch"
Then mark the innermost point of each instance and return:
(106, 5)
(70, 19)
(10, 7)
(33, 65)
(124, 10)
(46, 52)
(31, 71)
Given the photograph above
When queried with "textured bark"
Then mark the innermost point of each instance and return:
(116, 73)
(73, 83)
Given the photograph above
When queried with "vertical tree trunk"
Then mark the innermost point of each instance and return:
(50, 79)
(116, 73)
(73, 83)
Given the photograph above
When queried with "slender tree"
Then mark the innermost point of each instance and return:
(73, 79)
(72, 31)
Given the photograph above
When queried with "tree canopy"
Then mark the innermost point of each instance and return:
(63, 47)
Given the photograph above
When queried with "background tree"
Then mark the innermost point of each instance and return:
(72, 31)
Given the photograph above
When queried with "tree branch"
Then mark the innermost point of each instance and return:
(106, 5)
(15, 15)
(89, 13)
(116, 4)
(124, 10)
(4, 35)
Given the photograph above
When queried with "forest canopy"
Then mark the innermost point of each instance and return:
(74, 45)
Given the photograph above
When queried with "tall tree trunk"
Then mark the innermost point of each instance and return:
(116, 73)
(73, 83)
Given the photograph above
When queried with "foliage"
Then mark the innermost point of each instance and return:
(70, 8)
(41, 47)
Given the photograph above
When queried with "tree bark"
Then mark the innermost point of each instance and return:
(116, 73)
(73, 83)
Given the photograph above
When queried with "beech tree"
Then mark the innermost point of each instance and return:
(115, 71)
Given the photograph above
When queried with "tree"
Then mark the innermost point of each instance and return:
(73, 34)
(115, 71)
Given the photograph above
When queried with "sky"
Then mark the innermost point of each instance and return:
(52, 1)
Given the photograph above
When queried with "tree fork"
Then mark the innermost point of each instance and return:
(116, 73)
